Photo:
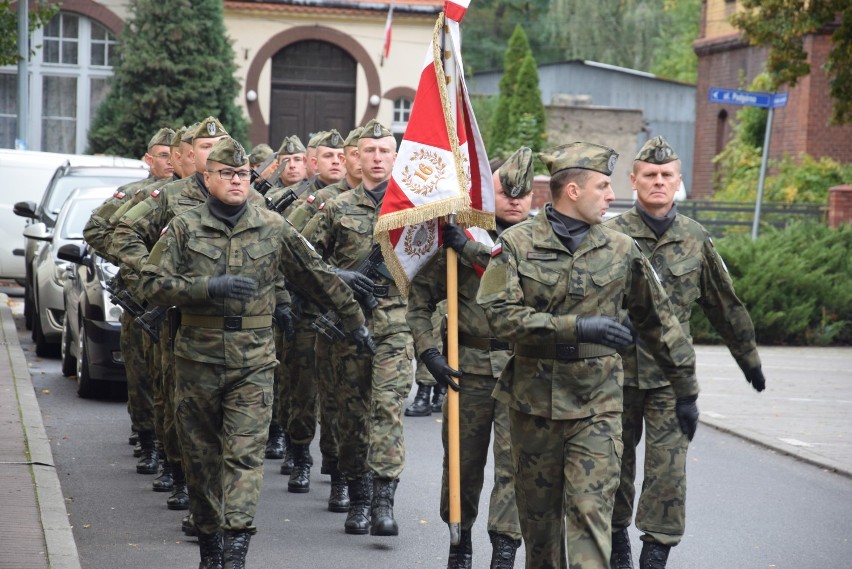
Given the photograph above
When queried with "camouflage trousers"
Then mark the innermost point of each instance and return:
(566, 473)
(171, 443)
(302, 422)
(282, 388)
(478, 411)
(661, 513)
(140, 396)
(154, 367)
(223, 421)
(423, 377)
(371, 393)
(327, 399)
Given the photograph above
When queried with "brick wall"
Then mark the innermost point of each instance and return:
(839, 205)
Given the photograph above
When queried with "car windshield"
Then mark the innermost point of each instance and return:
(65, 185)
(79, 212)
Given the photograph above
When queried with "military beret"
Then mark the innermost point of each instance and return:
(579, 155)
(260, 153)
(375, 129)
(657, 151)
(229, 152)
(312, 141)
(189, 134)
(331, 139)
(177, 137)
(163, 137)
(209, 128)
(292, 145)
(354, 135)
(516, 174)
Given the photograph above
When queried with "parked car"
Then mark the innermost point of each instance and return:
(91, 333)
(66, 178)
(48, 270)
(26, 174)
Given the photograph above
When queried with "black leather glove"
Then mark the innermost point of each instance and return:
(230, 286)
(285, 321)
(755, 377)
(363, 340)
(360, 284)
(440, 369)
(687, 415)
(454, 237)
(603, 330)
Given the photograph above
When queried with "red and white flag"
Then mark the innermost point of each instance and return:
(441, 167)
(388, 26)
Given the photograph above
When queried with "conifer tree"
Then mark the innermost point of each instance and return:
(528, 121)
(176, 67)
(517, 50)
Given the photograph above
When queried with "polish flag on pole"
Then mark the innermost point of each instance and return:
(388, 26)
(441, 167)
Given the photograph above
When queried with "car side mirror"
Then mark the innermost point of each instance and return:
(37, 232)
(72, 252)
(25, 209)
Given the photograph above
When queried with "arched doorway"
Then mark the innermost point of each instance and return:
(313, 88)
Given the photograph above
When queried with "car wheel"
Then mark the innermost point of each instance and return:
(43, 348)
(86, 386)
(69, 362)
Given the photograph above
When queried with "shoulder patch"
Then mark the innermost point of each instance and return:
(155, 193)
(165, 229)
(119, 195)
(311, 198)
(497, 249)
(322, 205)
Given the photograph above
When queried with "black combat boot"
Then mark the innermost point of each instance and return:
(210, 546)
(187, 526)
(360, 496)
(622, 557)
(300, 476)
(236, 547)
(275, 441)
(420, 407)
(137, 448)
(503, 549)
(653, 556)
(338, 500)
(149, 461)
(381, 512)
(461, 555)
(287, 465)
(164, 482)
(438, 395)
(179, 500)
(133, 439)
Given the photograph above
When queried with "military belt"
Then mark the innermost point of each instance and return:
(227, 323)
(385, 290)
(563, 352)
(479, 343)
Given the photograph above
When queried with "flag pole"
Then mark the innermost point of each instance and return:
(453, 451)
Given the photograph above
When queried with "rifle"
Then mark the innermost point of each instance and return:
(327, 324)
(283, 203)
(264, 185)
(151, 320)
(119, 295)
(255, 174)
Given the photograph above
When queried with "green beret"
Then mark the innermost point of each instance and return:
(164, 137)
(375, 129)
(516, 174)
(657, 151)
(179, 133)
(354, 135)
(260, 153)
(312, 141)
(292, 145)
(579, 155)
(228, 152)
(209, 128)
(189, 134)
(330, 139)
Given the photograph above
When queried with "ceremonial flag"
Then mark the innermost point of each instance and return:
(388, 25)
(441, 167)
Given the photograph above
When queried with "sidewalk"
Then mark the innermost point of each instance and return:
(805, 412)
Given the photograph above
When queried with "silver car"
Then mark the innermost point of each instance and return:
(49, 270)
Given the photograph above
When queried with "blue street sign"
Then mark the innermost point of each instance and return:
(734, 97)
(779, 100)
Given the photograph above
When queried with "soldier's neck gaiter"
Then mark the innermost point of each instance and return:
(228, 214)
(377, 194)
(199, 177)
(570, 231)
(658, 225)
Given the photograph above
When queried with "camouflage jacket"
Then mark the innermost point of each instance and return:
(98, 231)
(691, 271)
(429, 287)
(308, 204)
(261, 246)
(534, 290)
(342, 232)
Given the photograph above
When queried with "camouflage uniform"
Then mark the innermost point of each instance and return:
(691, 272)
(224, 377)
(565, 397)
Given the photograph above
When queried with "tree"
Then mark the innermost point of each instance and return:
(176, 67)
(782, 25)
(40, 14)
(489, 22)
(528, 122)
(516, 52)
(673, 56)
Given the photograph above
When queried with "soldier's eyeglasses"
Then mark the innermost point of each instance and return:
(228, 175)
(162, 155)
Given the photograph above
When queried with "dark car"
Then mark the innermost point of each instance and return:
(90, 338)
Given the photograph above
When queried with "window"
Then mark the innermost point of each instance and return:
(401, 116)
(69, 78)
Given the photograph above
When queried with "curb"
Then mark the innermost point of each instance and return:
(58, 537)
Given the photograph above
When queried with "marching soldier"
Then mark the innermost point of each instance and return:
(224, 265)
(692, 272)
(557, 287)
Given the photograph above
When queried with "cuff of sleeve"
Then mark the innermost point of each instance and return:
(353, 321)
(685, 387)
(749, 360)
(565, 327)
(198, 289)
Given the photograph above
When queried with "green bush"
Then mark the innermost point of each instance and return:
(795, 282)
